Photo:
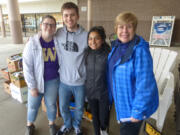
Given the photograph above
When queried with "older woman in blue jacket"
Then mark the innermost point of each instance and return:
(130, 76)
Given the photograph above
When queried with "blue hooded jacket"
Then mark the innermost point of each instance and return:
(135, 91)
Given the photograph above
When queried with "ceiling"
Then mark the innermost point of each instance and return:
(25, 1)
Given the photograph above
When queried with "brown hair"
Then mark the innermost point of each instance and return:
(126, 18)
(50, 17)
(70, 5)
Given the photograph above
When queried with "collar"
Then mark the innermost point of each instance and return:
(129, 50)
(76, 32)
(117, 42)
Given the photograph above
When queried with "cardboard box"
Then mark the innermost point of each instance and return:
(17, 78)
(44, 107)
(19, 94)
(7, 87)
(14, 63)
(5, 73)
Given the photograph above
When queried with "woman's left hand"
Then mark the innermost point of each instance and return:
(134, 120)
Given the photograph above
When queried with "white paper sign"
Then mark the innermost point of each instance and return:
(161, 30)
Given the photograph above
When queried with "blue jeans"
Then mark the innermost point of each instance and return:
(50, 98)
(65, 93)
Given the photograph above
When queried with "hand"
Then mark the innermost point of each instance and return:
(34, 92)
(134, 120)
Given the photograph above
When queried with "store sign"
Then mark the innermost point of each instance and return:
(83, 9)
(161, 30)
(150, 130)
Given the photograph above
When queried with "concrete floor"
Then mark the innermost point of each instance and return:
(13, 114)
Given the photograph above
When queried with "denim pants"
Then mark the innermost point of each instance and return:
(130, 128)
(65, 94)
(50, 98)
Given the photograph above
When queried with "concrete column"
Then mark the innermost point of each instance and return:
(89, 14)
(2, 23)
(15, 21)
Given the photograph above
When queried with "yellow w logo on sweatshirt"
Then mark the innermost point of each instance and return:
(49, 54)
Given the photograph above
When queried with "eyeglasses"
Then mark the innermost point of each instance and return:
(50, 25)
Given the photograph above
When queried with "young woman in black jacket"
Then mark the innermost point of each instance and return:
(96, 85)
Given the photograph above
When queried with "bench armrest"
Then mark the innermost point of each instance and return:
(165, 100)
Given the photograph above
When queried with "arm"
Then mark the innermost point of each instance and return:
(28, 68)
(146, 93)
(110, 94)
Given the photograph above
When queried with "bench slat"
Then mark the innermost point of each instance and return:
(166, 69)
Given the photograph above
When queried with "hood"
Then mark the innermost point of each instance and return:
(34, 40)
(78, 31)
(142, 43)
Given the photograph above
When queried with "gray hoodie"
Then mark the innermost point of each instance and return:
(70, 50)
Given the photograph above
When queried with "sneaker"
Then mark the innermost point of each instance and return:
(63, 130)
(78, 131)
(52, 129)
(30, 130)
(104, 132)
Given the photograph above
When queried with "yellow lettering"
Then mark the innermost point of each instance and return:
(49, 54)
(44, 55)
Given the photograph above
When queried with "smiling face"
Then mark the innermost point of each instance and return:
(94, 41)
(70, 19)
(125, 26)
(48, 28)
(125, 33)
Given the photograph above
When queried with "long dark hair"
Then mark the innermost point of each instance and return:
(100, 30)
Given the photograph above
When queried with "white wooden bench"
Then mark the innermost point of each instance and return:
(163, 63)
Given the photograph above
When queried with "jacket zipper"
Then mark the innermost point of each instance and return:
(94, 71)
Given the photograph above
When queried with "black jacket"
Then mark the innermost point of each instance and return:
(96, 64)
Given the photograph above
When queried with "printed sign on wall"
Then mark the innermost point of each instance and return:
(161, 30)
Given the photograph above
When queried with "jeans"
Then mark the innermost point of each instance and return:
(65, 94)
(100, 112)
(130, 128)
(50, 98)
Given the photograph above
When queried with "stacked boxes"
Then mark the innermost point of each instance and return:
(15, 84)
(15, 63)
(7, 87)
(17, 78)
(19, 94)
(6, 76)
(18, 85)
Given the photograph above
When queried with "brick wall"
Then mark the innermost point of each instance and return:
(105, 11)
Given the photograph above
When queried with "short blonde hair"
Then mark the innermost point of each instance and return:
(126, 18)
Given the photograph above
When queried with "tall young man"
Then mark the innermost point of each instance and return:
(72, 41)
